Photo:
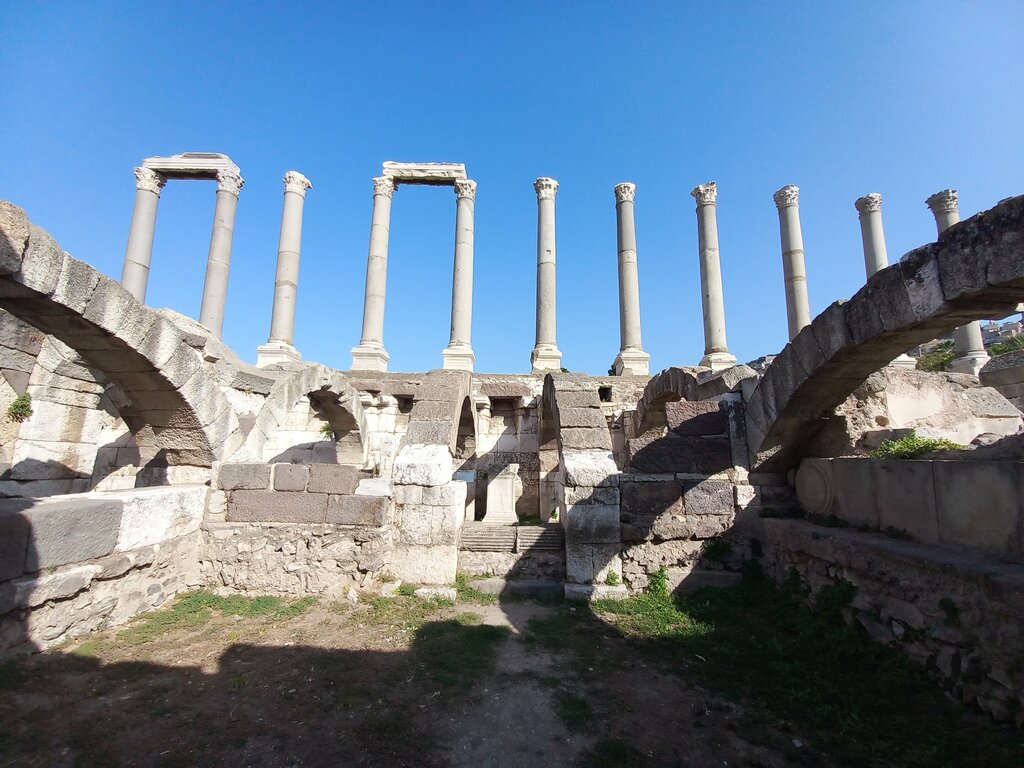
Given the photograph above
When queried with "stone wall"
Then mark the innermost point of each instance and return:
(960, 617)
(1005, 373)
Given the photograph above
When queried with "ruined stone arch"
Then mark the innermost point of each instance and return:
(172, 406)
(674, 384)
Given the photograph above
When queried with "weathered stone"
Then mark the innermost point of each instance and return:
(244, 477)
(590, 563)
(904, 493)
(358, 510)
(274, 507)
(14, 538)
(979, 505)
(587, 495)
(585, 439)
(430, 432)
(14, 237)
(592, 524)
(33, 592)
(333, 478)
(582, 417)
(154, 515)
(708, 497)
(375, 486)
(696, 418)
(70, 531)
(590, 468)
(290, 477)
(423, 465)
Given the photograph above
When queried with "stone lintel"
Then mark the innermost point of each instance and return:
(425, 173)
(191, 165)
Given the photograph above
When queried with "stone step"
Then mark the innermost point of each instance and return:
(520, 588)
(484, 537)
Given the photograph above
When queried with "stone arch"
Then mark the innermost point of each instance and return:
(974, 271)
(674, 384)
(179, 413)
(465, 436)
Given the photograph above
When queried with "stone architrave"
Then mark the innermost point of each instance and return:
(545, 356)
(969, 355)
(280, 347)
(876, 258)
(798, 308)
(370, 355)
(458, 354)
(139, 253)
(716, 351)
(632, 359)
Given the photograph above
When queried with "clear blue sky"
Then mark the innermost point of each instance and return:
(841, 99)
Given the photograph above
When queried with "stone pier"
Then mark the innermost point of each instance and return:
(969, 355)
(546, 355)
(280, 347)
(716, 350)
(370, 355)
(631, 360)
(458, 354)
(876, 258)
(139, 253)
(798, 308)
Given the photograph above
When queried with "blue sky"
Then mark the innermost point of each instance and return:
(901, 98)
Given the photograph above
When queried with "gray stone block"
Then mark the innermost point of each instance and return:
(430, 432)
(333, 478)
(687, 418)
(357, 510)
(592, 524)
(582, 417)
(853, 492)
(14, 536)
(247, 477)
(586, 439)
(905, 497)
(584, 562)
(274, 507)
(978, 505)
(290, 477)
(71, 531)
(708, 497)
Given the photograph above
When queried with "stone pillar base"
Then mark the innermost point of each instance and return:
(275, 353)
(458, 358)
(904, 361)
(717, 361)
(547, 358)
(367, 358)
(632, 362)
(971, 363)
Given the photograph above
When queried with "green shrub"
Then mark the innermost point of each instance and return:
(938, 359)
(911, 446)
(327, 431)
(716, 549)
(1012, 344)
(612, 579)
(657, 584)
(21, 408)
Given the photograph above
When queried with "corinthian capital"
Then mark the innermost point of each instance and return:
(870, 203)
(296, 182)
(465, 188)
(149, 180)
(229, 181)
(945, 201)
(788, 195)
(546, 187)
(625, 192)
(705, 194)
(384, 185)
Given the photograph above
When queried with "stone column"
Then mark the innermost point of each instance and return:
(370, 355)
(218, 263)
(716, 350)
(798, 311)
(876, 258)
(280, 347)
(546, 355)
(631, 360)
(459, 352)
(969, 355)
(139, 253)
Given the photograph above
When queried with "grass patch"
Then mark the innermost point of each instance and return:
(455, 656)
(573, 710)
(855, 700)
(406, 612)
(913, 445)
(468, 593)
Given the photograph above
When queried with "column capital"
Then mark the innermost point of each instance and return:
(870, 203)
(229, 181)
(787, 196)
(946, 201)
(625, 192)
(465, 188)
(384, 185)
(296, 182)
(149, 180)
(705, 194)
(546, 187)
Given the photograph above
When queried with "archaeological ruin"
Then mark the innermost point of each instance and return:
(143, 458)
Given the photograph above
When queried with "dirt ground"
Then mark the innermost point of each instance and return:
(393, 682)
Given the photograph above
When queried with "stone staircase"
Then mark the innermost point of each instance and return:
(484, 537)
(512, 559)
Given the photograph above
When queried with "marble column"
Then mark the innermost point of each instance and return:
(798, 310)
(876, 258)
(458, 355)
(280, 347)
(546, 355)
(969, 355)
(370, 355)
(716, 350)
(218, 263)
(631, 360)
(139, 253)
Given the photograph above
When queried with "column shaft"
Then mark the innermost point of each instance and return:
(282, 323)
(545, 353)
(876, 256)
(370, 354)
(629, 278)
(139, 252)
(716, 349)
(218, 263)
(459, 353)
(798, 312)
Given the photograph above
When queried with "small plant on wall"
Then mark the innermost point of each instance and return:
(21, 408)
(327, 431)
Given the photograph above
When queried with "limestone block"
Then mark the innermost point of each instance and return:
(425, 565)
(75, 285)
(14, 538)
(358, 510)
(582, 417)
(854, 493)
(696, 418)
(588, 495)
(589, 563)
(592, 524)
(708, 497)
(33, 592)
(418, 464)
(247, 477)
(290, 477)
(444, 495)
(585, 438)
(978, 505)
(409, 494)
(375, 486)
(70, 530)
(430, 432)
(582, 593)
(590, 468)
(578, 399)
(333, 478)
(904, 493)
(814, 486)
(14, 237)
(155, 515)
(273, 507)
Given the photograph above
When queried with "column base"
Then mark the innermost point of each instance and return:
(370, 358)
(904, 361)
(458, 358)
(276, 353)
(632, 362)
(971, 363)
(545, 358)
(717, 361)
